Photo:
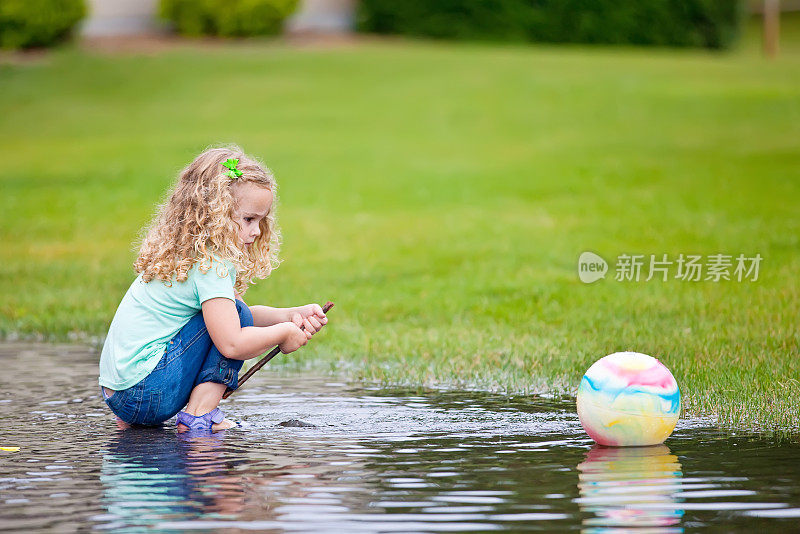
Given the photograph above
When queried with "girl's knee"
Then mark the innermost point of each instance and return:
(245, 315)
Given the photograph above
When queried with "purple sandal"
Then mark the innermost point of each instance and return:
(200, 422)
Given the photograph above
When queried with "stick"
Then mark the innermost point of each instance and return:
(263, 361)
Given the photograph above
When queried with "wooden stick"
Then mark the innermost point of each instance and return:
(263, 361)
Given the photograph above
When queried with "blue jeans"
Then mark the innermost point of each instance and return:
(190, 359)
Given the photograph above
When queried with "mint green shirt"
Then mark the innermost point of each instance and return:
(150, 315)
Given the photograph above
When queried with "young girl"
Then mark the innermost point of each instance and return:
(182, 330)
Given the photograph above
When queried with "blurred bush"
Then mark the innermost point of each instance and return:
(701, 23)
(227, 18)
(29, 23)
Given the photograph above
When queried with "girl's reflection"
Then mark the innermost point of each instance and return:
(630, 487)
(152, 475)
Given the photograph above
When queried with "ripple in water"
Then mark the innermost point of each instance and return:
(377, 460)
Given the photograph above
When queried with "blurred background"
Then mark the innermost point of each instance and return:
(441, 166)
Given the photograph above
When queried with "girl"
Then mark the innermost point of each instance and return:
(182, 330)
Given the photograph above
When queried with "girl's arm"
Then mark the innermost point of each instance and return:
(268, 316)
(241, 343)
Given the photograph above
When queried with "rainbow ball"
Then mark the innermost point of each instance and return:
(628, 399)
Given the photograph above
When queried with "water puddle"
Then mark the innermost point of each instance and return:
(377, 460)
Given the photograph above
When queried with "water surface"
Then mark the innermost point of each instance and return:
(379, 460)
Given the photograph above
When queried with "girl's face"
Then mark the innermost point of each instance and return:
(253, 203)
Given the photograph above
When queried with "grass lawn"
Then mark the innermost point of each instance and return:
(440, 194)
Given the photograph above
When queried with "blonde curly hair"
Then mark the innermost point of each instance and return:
(196, 223)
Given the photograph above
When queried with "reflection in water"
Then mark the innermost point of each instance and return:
(630, 487)
(152, 474)
(378, 461)
(165, 481)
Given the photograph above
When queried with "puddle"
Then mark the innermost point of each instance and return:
(377, 460)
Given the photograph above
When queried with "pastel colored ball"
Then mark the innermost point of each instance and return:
(628, 399)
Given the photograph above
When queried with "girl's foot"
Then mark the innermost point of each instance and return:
(213, 420)
(224, 425)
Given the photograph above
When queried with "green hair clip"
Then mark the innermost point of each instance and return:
(231, 164)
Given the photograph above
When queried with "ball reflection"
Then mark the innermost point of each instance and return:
(630, 488)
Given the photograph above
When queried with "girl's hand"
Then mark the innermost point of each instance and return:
(313, 318)
(295, 338)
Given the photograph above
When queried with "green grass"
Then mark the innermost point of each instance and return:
(440, 194)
